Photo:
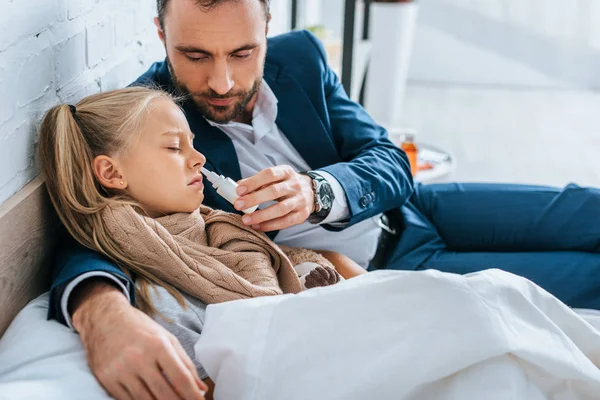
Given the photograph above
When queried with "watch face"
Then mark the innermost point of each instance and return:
(325, 197)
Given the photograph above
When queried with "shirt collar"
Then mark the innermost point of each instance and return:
(263, 115)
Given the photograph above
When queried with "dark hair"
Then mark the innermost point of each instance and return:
(162, 5)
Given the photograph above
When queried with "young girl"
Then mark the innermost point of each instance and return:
(125, 180)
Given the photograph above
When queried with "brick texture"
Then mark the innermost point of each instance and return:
(54, 51)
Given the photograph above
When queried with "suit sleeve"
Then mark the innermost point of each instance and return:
(74, 261)
(375, 174)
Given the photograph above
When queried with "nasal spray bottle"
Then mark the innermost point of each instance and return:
(225, 187)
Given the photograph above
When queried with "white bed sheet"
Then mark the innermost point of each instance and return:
(404, 335)
(42, 359)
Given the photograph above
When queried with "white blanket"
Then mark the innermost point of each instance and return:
(403, 335)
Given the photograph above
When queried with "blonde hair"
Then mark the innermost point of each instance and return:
(101, 124)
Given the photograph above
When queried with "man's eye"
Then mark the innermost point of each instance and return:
(197, 58)
(242, 56)
(174, 148)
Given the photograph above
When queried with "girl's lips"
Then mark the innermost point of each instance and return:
(221, 102)
(196, 182)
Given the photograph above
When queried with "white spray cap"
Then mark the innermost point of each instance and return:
(226, 187)
(211, 176)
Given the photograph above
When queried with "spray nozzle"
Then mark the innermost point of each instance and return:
(211, 176)
(225, 187)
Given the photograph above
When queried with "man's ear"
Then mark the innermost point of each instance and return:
(108, 173)
(161, 32)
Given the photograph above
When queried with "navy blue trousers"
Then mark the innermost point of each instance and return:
(547, 235)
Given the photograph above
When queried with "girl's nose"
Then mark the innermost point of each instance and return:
(197, 160)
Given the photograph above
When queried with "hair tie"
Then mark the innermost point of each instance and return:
(73, 109)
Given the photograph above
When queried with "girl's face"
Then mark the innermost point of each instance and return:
(161, 169)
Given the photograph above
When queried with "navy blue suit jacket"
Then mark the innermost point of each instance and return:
(331, 132)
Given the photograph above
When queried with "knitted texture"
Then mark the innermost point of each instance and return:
(299, 256)
(208, 254)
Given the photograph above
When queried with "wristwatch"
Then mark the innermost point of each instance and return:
(324, 197)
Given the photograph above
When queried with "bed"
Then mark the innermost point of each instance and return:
(28, 227)
(39, 359)
(507, 336)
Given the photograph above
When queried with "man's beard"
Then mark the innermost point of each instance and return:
(218, 114)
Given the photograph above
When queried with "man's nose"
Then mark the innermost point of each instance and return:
(220, 79)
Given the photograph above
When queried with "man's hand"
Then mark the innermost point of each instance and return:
(293, 191)
(131, 355)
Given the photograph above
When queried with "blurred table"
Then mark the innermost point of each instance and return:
(434, 165)
(440, 162)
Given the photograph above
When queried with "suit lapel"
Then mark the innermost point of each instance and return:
(299, 121)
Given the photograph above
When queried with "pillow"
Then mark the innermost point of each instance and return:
(41, 359)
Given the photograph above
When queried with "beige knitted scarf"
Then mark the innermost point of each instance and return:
(208, 254)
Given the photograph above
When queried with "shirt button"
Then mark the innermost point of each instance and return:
(364, 201)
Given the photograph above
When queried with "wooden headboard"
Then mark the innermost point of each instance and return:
(28, 228)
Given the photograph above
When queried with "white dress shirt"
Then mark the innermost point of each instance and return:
(262, 145)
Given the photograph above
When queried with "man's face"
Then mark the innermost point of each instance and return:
(217, 56)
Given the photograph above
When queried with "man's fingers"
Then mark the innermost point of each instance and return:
(132, 356)
(268, 193)
(158, 384)
(119, 392)
(139, 390)
(272, 212)
(189, 363)
(291, 219)
(180, 377)
(124, 384)
(113, 383)
(183, 356)
(264, 177)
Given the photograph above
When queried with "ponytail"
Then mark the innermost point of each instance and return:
(70, 138)
(67, 162)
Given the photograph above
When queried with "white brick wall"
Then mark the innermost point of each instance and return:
(54, 51)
